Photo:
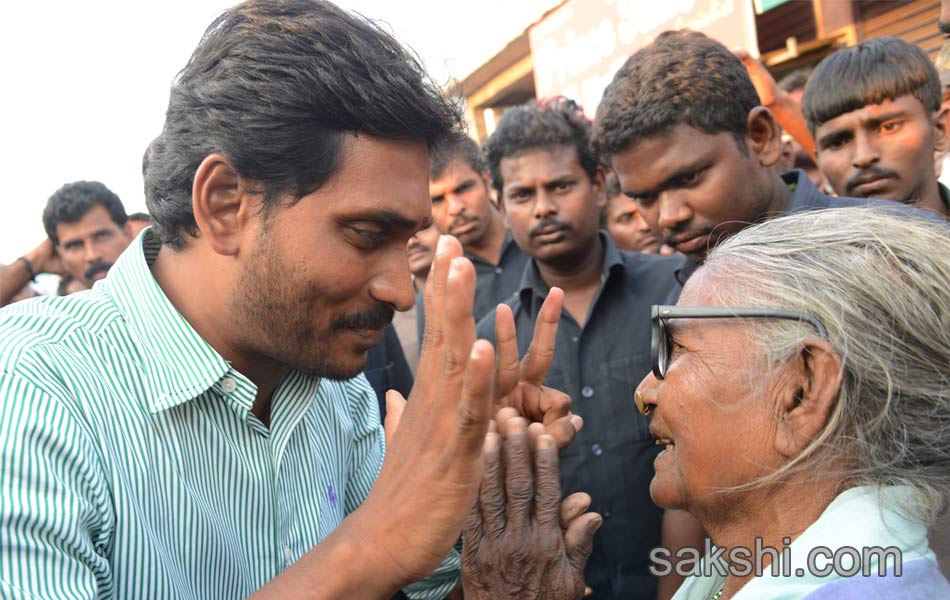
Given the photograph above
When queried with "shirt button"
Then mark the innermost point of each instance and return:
(587, 391)
(287, 556)
(575, 339)
(498, 270)
(596, 449)
(608, 514)
(228, 385)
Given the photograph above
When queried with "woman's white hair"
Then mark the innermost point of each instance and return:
(879, 280)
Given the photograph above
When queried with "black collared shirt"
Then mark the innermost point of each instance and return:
(600, 366)
(494, 284)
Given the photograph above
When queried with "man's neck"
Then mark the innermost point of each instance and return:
(929, 199)
(489, 246)
(779, 194)
(577, 272)
(195, 291)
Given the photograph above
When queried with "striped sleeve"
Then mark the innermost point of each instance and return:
(368, 460)
(55, 505)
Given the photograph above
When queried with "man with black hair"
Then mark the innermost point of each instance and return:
(197, 425)
(621, 218)
(139, 221)
(682, 126)
(875, 112)
(462, 207)
(550, 183)
(86, 228)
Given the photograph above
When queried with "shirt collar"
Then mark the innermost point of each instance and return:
(803, 189)
(944, 194)
(860, 517)
(505, 248)
(179, 364)
(531, 280)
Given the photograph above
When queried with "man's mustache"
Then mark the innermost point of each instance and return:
(462, 220)
(549, 226)
(869, 174)
(375, 318)
(97, 267)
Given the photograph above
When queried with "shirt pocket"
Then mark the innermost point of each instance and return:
(623, 375)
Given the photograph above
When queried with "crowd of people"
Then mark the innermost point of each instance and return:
(352, 353)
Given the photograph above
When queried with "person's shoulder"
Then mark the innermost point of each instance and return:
(35, 325)
(662, 268)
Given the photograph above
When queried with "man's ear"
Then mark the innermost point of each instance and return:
(808, 395)
(599, 186)
(942, 128)
(221, 204)
(763, 136)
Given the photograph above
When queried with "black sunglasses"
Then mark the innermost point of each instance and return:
(661, 346)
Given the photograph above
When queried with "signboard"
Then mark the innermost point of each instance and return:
(579, 46)
(762, 6)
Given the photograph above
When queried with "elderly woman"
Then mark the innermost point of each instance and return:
(801, 390)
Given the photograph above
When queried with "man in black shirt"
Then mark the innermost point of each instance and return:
(551, 188)
(877, 134)
(682, 126)
(462, 207)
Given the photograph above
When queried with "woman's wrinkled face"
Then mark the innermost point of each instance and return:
(713, 411)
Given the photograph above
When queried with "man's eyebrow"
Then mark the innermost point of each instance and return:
(893, 114)
(389, 219)
(670, 179)
(566, 178)
(464, 184)
(516, 187)
(833, 136)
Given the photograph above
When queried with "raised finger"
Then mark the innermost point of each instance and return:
(504, 415)
(458, 324)
(579, 539)
(434, 301)
(474, 406)
(537, 360)
(491, 494)
(395, 405)
(572, 507)
(547, 484)
(564, 429)
(519, 489)
(508, 369)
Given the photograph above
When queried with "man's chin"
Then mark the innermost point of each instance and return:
(337, 370)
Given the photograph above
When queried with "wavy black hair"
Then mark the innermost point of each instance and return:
(876, 70)
(73, 201)
(550, 124)
(683, 77)
(275, 85)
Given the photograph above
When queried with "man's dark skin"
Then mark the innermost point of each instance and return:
(462, 207)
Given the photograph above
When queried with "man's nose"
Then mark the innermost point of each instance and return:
(865, 152)
(92, 251)
(456, 205)
(545, 204)
(673, 210)
(393, 286)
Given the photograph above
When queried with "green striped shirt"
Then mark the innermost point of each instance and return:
(131, 465)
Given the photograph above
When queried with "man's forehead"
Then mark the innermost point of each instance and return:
(551, 161)
(455, 172)
(651, 161)
(95, 219)
(906, 105)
